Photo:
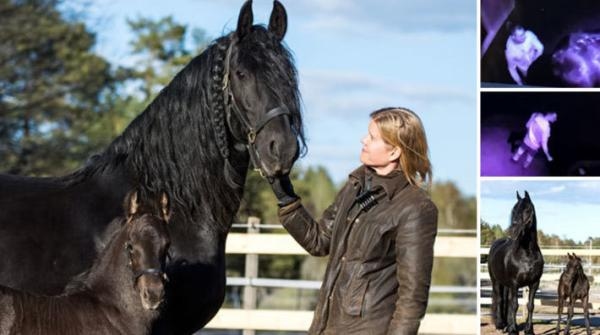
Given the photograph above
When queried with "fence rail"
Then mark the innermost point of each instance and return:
(251, 319)
(284, 244)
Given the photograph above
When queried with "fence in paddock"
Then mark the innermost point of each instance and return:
(250, 319)
(547, 294)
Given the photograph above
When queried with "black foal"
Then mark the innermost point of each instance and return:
(573, 285)
(120, 294)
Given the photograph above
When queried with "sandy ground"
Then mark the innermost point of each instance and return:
(546, 325)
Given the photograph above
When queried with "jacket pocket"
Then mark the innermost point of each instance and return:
(353, 300)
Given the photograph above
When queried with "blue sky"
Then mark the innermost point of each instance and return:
(565, 208)
(353, 57)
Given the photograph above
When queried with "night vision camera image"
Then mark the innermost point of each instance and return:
(540, 134)
(544, 43)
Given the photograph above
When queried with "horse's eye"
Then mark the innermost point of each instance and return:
(240, 74)
(129, 247)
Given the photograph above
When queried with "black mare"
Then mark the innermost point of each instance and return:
(120, 294)
(236, 103)
(573, 285)
(515, 262)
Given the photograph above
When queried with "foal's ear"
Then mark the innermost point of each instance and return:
(278, 20)
(133, 204)
(164, 207)
(245, 20)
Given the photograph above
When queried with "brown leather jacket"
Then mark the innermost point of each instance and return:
(379, 271)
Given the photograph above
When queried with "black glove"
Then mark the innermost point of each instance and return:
(283, 190)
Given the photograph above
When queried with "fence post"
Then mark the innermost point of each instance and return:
(590, 259)
(251, 272)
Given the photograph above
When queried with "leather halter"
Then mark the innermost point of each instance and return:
(160, 273)
(252, 130)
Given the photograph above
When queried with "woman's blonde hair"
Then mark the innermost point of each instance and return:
(402, 128)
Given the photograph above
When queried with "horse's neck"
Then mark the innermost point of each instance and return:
(529, 240)
(198, 185)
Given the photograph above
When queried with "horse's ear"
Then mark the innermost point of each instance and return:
(245, 20)
(518, 196)
(164, 207)
(527, 195)
(132, 203)
(278, 20)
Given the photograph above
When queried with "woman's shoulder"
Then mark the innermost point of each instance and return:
(413, 197)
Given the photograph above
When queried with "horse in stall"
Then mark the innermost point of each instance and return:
(573, 285)
(513, 262)
(120, 294)
(235, 104)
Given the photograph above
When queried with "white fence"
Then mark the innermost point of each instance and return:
(250, 319)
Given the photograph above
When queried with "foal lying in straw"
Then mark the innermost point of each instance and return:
(120, 294)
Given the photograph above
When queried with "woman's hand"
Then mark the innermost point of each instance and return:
(283, 190)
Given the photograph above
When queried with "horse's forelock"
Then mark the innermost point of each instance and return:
(519, 225)
(277, 72)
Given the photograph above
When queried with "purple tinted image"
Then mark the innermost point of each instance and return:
(540, 134)
(540, 43)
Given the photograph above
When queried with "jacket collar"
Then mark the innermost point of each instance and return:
(391, 183)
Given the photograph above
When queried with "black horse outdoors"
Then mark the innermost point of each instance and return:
(514, 262)
(572, 286)
(236, 103)
(120, 294)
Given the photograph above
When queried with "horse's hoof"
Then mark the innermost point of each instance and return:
(500, 325)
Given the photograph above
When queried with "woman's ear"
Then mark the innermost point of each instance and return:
(395, 154)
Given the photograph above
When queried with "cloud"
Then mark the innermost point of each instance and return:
(386, 15)
(343, 92)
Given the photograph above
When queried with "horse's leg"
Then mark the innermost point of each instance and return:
(561, 301)
(586, 314)
(498, 302)
(570, 314)
(504, 306)
(529, 325)
(513, 305)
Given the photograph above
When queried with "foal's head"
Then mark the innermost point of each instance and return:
(147, 244)
(574, 263)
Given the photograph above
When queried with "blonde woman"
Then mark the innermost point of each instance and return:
(378, 233)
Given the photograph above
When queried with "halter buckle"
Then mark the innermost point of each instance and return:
(260, 172)
(251, 136)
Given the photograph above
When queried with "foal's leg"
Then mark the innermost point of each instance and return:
(586, 314)
(529, 325)
(561, 301)
(513, 306)
(498, 302)
(570, 314)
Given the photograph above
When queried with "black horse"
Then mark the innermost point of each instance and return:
(120, 294)
(514, 262)
(573, 285)
(236, 103)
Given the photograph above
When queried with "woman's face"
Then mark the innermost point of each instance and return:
(376, 153)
